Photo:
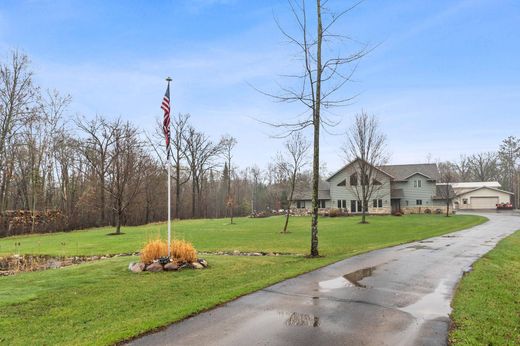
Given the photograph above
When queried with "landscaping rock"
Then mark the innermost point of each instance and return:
(172, 266)
(154, 267)
(136, 267)
(203, 262)
(236, 253)
(197, 265)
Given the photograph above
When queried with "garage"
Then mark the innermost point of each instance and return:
(484, 202)
(479, 195)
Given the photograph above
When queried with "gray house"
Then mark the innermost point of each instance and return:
(407, 188)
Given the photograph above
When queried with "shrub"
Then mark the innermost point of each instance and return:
(333, 213)
(438, 211)
(183, 251)
(427, 211)
(153, 250)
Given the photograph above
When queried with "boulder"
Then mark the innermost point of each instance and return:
(203, 262)
(196, 265)
(154, 267)
(236, 253)
(136, 267)
(171, 266)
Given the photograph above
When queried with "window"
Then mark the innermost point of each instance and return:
(406, 202)
(339, 203)
(417, 183)
(364, 180)
(353, 179)
(418, 202)
(344, 203)
(321, 203)
(343, 182)
(353, 206)
(376, 182)
(298, 204)
(378, 203)
(464, 201)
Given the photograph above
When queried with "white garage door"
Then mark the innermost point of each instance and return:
(484, 202)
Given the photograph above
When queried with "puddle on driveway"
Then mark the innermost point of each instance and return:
(432, 305)
(302, 320)
(347, 280)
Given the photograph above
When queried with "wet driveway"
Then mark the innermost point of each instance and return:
(394, 296)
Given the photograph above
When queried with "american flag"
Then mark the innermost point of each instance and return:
(165, 106)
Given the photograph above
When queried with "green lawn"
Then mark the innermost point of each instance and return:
(338, 236)
(486, 308)
(102, 303)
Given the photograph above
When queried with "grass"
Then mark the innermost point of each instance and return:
(102, 303)
(337, 235)
(486, 307)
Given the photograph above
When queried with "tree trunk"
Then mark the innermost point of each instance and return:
(316, 146)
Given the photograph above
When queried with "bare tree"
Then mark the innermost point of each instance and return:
(446, 191)
(128, 167)
(463, 168)
(484, 166)
(17, 101)
(291, 164)
(325, 70)
(509, 154)
(96, 149)
(227, 144)
(201, 153)
(366, 148)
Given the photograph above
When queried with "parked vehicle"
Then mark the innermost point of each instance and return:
(505, 206)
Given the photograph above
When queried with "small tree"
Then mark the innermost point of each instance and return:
(227, 143)
(291, 164)
(366, 147)
(446, 190)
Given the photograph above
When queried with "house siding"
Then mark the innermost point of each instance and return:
(347, 193)
(412, 194)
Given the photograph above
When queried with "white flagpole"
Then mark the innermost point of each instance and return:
(169, 184)
(169, 208)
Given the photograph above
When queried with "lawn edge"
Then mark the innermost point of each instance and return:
(453, 326)
(164, 327)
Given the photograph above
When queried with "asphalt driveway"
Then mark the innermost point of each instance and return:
(394, 296)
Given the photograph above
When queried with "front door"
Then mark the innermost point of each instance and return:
(396, 205)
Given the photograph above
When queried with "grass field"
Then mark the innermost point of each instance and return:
(486, 307)
(102, 302)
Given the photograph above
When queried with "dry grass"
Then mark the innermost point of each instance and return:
(183, 251)
(153, 250)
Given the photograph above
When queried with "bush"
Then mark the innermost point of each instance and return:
(183, 251)
(333, 213)
(153, 250)
(438, 211)
(427, 211)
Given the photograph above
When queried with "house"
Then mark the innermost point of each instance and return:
(480, 195)
(408, 188)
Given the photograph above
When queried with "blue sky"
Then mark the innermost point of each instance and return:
(443, 80)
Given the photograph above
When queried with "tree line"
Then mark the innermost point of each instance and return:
(64, 172)
(502, 165)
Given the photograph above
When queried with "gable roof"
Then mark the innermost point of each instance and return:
(403, 172)
(352, 162)
(484, 187)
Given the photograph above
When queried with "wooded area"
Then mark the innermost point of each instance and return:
(63, 172)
